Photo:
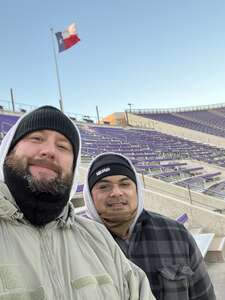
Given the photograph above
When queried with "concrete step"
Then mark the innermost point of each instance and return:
(216, 251)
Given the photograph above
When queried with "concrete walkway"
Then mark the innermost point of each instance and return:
(217, 275)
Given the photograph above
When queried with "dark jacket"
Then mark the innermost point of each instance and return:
(168, 254)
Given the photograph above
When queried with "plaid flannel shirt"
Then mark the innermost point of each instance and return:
(168, 254)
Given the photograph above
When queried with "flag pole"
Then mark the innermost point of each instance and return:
(57, 72)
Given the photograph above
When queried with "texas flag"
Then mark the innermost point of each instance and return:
(67, 38)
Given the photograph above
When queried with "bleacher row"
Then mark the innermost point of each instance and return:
(159, 155)
(153, 153)
(211, 121)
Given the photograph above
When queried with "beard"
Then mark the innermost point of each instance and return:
(55, 186)
(41, 200)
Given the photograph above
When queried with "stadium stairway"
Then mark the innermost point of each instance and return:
(211, 246)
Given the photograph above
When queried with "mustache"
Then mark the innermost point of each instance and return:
(45, 163)
(111, 202)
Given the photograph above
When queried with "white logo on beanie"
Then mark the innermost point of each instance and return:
(103, 171)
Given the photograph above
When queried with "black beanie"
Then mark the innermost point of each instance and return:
(47, 118)
(109, 165)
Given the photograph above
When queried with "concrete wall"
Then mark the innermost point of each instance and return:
(182, 194)
(198, 217)
(82, 173)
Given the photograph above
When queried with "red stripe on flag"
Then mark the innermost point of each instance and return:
(70, 41)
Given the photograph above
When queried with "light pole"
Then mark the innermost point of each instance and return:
(130, 104)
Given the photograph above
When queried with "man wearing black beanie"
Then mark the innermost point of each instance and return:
(162, 247)
(46, 252)
(117, 213)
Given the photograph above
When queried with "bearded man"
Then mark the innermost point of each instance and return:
(46, 252)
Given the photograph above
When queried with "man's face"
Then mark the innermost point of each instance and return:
(46, 155)
(114, 193)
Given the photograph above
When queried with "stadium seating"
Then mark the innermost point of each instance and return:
(6, 122)
(211, 121)
(153, 153)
